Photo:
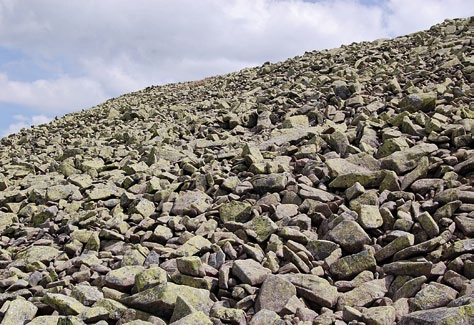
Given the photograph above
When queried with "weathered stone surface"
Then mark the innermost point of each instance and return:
(193, 246)
(264, 317)
(196, 318)
(408, 268)
(350, 235)
(402, 161)
(382, 315)
(348, 266)
(19, 312)
(434, 295)
(191, 202)
(459, 315)
(269, 183)
(63, 304)
(418, 102)
(123, 279)
(274, 294)
(249, 271)
(334, 187)
(365, 294)
(260, 228)
(370, 217)
(161, 300)
(314, 288)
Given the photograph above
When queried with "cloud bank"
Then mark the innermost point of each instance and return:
(64, 56)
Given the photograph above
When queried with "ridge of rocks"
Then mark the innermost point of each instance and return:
(332, 188)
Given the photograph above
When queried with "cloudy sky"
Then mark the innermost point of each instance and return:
(61, 56)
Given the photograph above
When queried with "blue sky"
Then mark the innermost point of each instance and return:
(61, 56)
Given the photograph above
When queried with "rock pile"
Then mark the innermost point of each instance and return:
(332, 188)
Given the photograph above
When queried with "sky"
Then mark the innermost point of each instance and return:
(61, 56)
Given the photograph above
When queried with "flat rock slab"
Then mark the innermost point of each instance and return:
(249, 271)
(350, 235)
(274, 294)
(314, 288)
(161, 300)
(19, 312)
(463, 315)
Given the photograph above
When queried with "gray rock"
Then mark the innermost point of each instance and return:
(274, 294)
(314, 288)
(19, 312)
(348, 266)
(350, 235)
(249, 271)
(457, 315)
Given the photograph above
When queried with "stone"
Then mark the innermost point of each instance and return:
(413, 103)
(265, 317)
(251, 154)
(350, 235)
(409, 288)
(191, 203)
(35, 253)
(365, 294)
(116, 309)
(249, 271)
(19, 312)
(381, 315)
(296, 121)
(86, 294)
(123, 279)
(144, 207)
(408, 268)
(191, 265)
(228, 315)
(314, 288)
(308, 192)
(260, 227)
(390, 146)
(462, 315)
(269, 183)
(354, 191)
(162, 234)
(465, 224)
(63, 304)
(320, 249)
(348, 266)
(195, 318)
(235, 211)
(428, 224)
(370, 217)
(149, 278)
(420, 171)
(434, 295)
(161, 300)
(274, 294)
(402, 161)
(94, 314)
(194, 246)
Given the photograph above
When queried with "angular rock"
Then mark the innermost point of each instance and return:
(249, 271)
(161, 300)
(350, 235)
(348, 266)
(274, 294)
(314, 288)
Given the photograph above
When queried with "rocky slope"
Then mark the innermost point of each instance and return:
(332, 188)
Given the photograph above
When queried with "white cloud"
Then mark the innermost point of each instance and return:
(95, 50)
(409, 16)
(24, 122)
(55, 96)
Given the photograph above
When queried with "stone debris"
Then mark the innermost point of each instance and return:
(332, 188)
